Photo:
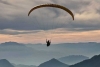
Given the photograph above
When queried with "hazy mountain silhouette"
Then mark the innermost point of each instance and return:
(88, 48)
(11, 44)
(15, 51)
(18, 51)
(22, 65)
(5, 63)
(53, 63)
(92, 62)
(72, 59)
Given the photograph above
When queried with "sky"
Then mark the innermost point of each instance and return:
(49, 23)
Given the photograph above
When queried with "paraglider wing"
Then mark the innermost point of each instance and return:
(52, 5)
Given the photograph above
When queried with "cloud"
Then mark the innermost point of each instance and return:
(90, 12)
(16, 32)
(14, 15)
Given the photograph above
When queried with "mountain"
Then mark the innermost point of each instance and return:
(11, 44)
(5, 63)
(87, 48)
(27, 53)
(53, 63)
(72, 59)
(16, 52)
(21, 65)
(92, 62)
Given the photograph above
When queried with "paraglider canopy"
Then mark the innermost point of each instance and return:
(52, 5)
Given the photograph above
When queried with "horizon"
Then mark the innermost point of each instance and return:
(44, 43)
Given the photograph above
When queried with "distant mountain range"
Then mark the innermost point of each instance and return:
(16, 52)
(73, 59)
(53, 63)
(92, 62)
(11, 44)
(5, 63)
(13, 48)
(22, 65)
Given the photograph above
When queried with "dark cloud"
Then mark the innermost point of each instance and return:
(16, 32)
(5, 2)
(74, 5)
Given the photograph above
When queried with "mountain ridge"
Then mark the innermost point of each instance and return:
(53, 63)
(5, 63)
(92, 62)
(12, 44)
(72, 59)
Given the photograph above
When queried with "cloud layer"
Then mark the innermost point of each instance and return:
(14, 15)
(14, 19)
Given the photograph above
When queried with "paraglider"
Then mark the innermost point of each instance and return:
(52, 5)
(48, 42)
